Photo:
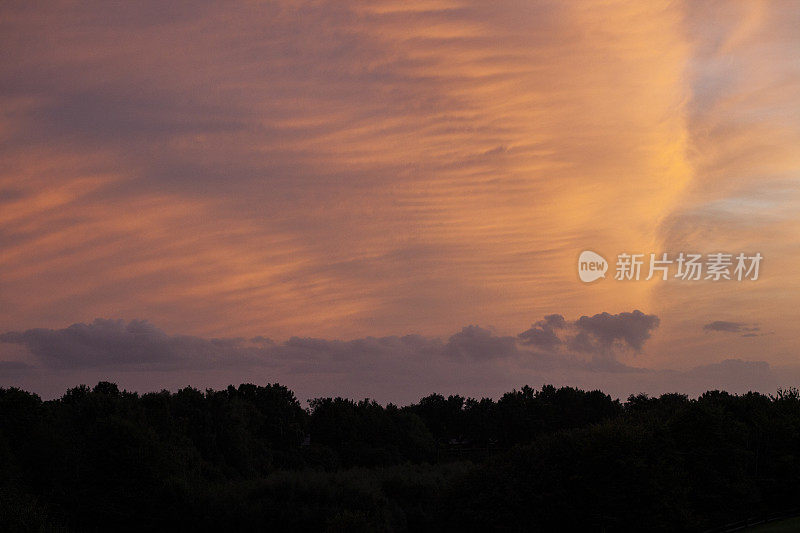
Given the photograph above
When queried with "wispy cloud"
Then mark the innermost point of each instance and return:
(327, 166)
(346, 169)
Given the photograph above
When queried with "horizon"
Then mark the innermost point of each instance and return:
(307, 402)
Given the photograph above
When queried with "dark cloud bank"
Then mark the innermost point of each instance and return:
(583, 352)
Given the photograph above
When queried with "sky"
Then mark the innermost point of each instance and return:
(388, 198)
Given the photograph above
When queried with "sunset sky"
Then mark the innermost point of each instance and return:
(387, 198)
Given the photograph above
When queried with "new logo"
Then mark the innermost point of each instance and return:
(591, 266)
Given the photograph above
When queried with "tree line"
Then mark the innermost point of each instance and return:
(252, 457)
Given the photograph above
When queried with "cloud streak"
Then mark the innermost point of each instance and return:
(730, 327)
(335, 169)
(329, 167)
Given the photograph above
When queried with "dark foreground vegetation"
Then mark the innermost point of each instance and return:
(252, 458)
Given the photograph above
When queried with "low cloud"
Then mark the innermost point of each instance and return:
(544, 333)
(474, 342)
(743, 328)
(138, 344)
(604, 330)
(601, 333)
(474, 361)
(135, 344)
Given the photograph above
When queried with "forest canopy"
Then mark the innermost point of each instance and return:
(252, 457)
